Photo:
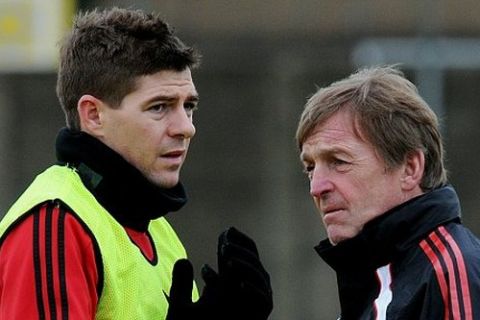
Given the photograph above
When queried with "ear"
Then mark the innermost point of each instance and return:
(90, 113)
(413, 171)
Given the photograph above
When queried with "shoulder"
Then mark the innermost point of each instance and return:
(443, 257)
(49, 221)
(48, 250)
(454, 240)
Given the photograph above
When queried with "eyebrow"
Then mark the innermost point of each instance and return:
(324, 153)
(191, 98)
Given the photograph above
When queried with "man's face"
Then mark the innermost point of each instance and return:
(153, 126)
(349, 182)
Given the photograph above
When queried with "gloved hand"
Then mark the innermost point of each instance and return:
(240, 290)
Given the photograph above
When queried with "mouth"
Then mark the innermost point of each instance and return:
(332, 215)
(175, 156)
(330, 210)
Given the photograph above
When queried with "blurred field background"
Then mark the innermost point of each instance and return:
(262, 59)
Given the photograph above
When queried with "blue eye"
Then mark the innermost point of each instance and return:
(190, 108)
(339, 162)
(340, 165)
(158, 107)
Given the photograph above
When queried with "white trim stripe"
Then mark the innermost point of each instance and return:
(384, 298)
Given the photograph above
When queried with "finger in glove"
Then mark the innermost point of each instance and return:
(232, 235)
(244, 277)
(182, 283)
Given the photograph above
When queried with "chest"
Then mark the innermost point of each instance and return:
(406, 290)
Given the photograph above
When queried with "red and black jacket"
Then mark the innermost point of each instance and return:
(415, 262)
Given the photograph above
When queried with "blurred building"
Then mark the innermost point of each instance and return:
(262, 59)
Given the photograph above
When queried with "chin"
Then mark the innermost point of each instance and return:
(336, 239)
(165, 182)
(333, 241)
(168, 184)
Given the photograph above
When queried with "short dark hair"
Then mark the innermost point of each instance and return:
(389, 111)
(106, 51)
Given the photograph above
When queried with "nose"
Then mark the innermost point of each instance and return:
(320, 183)
(181, 124)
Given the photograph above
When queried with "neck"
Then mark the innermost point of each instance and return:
(118, 186)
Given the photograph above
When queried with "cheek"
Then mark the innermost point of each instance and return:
(133, 142)
(383, 194)
(138, 135)
(366, 196)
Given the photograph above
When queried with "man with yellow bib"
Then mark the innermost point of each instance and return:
(88, 238)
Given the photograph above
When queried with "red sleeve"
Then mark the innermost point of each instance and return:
(48, 268)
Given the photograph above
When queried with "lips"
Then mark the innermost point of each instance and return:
(333, 218)
(331, 209)
(174, 154)
(174, 157)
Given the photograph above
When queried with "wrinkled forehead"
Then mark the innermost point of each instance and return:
(344, 118)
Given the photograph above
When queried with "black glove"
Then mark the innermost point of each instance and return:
(243, 276)
(240, 290)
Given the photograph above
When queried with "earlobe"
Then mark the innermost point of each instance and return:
(414, 168)
(89, 110)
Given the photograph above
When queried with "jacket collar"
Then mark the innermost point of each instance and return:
(393, 232)
(118, 186)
